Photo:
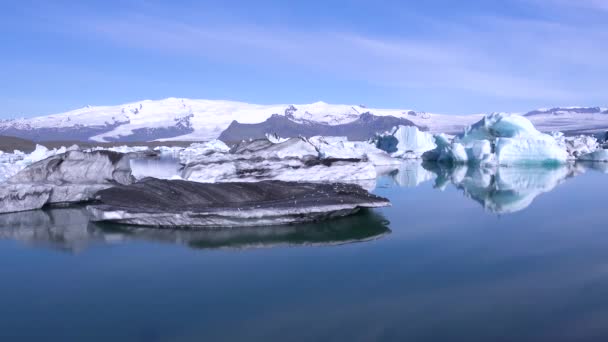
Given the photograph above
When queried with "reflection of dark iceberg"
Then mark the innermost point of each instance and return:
(502, 189)
(365, 226)
(69, 229)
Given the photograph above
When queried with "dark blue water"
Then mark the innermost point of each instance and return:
(468, 255)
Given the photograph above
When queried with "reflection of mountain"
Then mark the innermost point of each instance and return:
(69, 229)
(502, 190)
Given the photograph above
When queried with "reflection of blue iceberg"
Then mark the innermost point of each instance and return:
(502, 189)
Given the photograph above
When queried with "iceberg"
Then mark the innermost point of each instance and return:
(177, 203)
(296, 159)
(12, 163)
(576, 146)
(70, 177)
(406, 142)
(196, 151)
(342, 148)
(499, 139)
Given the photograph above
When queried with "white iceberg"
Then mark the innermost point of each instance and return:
(200, 150)
(342, 148)
(406, 142)
(296, 159)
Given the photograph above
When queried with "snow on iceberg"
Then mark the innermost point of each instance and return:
(501, 139)
(406, 142)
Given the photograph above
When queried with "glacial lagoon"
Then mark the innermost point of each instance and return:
(512, 254)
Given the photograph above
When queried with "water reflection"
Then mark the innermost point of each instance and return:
(501, 190)
(69, 229)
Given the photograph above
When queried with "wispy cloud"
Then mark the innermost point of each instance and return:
(497, 56)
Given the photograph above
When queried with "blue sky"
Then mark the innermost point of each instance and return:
(436, 55)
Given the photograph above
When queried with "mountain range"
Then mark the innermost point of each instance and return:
(196, 120)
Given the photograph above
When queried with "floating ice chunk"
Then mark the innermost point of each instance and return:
(70, 177)
(22, 197)
(406, 142)
(502, 139)
(576, 146)
(197, 151)
(541, 149)
(119, 149)
(296, 159)
(163, 203)
(341, 148)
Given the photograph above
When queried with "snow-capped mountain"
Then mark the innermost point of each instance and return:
(188, 119)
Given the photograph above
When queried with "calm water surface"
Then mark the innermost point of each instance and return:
(464, 254)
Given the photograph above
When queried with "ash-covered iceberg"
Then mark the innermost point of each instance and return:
(166, 203)
(406, 142)
(70, 177)
(499, 139)
(297, 159)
